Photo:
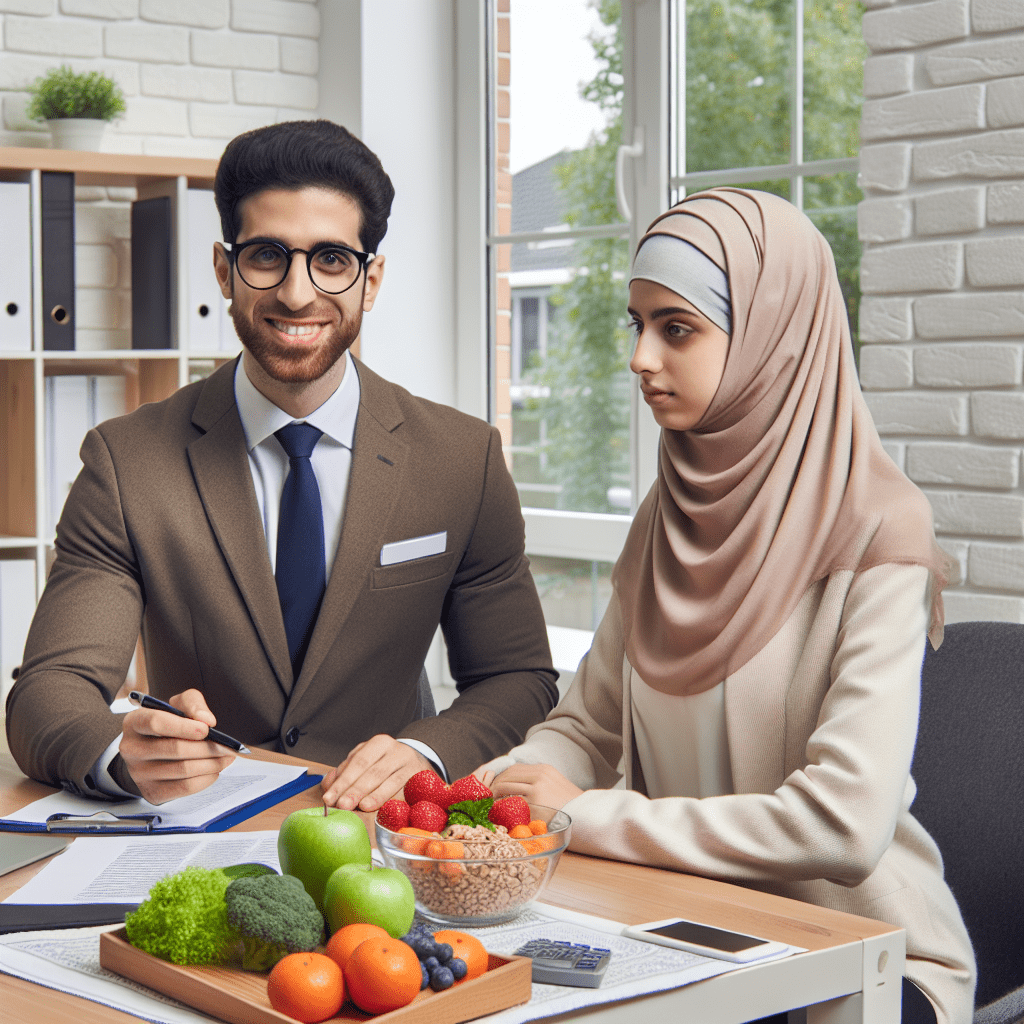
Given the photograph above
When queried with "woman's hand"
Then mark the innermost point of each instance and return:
(538, 783)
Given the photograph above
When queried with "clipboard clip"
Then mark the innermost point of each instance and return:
(102, 821)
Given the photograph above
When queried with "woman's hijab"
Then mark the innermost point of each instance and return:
(783, 481)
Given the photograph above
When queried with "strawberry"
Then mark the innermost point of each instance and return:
(510, 811)
(426, 785)
(394, 814)
(469, 788)
(427, 815)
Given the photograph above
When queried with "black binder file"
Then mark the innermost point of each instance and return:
(58, 208)
(152, 310)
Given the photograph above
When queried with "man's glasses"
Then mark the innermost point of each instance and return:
(264, 264)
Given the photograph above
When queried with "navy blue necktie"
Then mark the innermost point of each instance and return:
(301, 570)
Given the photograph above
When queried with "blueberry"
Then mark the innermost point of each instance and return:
(424, 976)
(431, 963)
(421, 947)
(441, 978)
(443, 952)
(458, 968)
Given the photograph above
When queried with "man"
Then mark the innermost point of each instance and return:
(289, 532)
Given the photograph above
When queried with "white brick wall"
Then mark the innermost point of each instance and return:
(194, 72)
(942, 315)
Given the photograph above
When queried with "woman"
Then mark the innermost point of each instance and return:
(755, 679)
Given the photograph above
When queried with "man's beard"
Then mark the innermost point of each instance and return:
(296, 363)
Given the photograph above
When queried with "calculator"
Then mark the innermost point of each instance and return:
(566, 963)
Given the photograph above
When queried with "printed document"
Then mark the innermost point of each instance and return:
(122, 869)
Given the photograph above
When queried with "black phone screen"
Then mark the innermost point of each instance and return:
(705, 935)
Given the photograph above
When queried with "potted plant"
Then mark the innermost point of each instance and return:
(75, 106)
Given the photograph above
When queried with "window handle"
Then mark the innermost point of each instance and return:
(636, 150)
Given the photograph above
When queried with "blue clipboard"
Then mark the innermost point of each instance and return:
(103, 823)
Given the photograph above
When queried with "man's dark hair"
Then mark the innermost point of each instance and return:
(304, 154)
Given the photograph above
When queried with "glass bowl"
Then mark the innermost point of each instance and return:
(463, 890)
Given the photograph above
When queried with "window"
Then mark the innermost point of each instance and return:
(602, 108)
(768, 95)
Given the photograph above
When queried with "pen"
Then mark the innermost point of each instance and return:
(146, 701)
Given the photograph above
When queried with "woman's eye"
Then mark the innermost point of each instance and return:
(677, 330)
(636, 327)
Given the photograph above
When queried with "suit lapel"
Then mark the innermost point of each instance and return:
(375, 481)
(220, 468)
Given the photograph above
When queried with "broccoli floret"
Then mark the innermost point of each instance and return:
(184, 917)
(274, 916)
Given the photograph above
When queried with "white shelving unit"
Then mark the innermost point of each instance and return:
(149, 374)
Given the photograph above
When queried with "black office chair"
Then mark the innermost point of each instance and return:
(969, 770)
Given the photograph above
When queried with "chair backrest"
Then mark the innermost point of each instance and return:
(969, 770)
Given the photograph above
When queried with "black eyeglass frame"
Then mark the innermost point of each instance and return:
(364, 259)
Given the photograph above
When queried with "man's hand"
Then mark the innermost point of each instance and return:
(372, 773)
(168, 756)
(538, 783)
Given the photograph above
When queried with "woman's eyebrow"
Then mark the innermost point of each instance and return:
(657, 314)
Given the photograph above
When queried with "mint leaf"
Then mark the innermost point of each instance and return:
(473, 811)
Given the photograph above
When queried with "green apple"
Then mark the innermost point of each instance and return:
(315, 841)
(380, 896)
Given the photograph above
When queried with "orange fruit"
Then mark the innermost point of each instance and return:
(468, 948)
(521, 832)
(307, 986)
(343, 942)
(382, 975)
(538, 827)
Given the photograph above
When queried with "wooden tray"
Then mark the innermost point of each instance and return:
(240, 997)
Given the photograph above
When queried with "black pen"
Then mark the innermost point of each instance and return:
(146, 701)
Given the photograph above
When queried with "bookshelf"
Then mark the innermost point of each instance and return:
(147, 374)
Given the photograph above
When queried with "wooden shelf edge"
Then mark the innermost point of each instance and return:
(109, 168)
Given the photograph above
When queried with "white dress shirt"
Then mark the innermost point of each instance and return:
(331, 460)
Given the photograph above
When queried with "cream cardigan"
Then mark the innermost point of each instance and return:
(821, 726)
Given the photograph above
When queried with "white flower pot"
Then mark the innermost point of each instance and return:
(77, 132)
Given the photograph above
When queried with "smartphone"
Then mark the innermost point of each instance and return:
(704, 940)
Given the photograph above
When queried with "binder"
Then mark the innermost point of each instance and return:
(35, 917)
(57, 194)
(16, 267)
(17, 603)
(73, 404)
(152, 269)
(205, 302)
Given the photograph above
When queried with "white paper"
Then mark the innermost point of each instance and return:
(636, 968)
(69, 961)
(242, 782)
(122, 869)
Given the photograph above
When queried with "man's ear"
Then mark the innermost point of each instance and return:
(374, 277)
(222, 268)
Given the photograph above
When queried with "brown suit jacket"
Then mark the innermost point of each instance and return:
(162, 526)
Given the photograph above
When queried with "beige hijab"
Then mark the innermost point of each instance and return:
(783, 481)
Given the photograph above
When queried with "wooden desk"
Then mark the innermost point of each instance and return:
(851, 973)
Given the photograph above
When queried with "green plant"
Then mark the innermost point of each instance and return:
(61, 93)
(184, 917)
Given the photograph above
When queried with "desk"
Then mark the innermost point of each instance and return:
(851, 973)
